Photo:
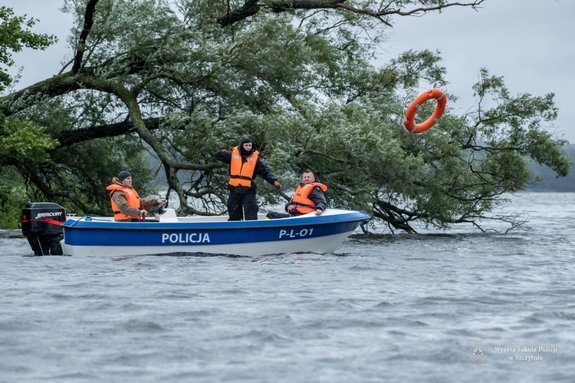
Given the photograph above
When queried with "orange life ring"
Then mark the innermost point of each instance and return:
(409, 122)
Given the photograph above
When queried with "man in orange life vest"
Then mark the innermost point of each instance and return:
(308, 197)
(126, 203)
(244, 164)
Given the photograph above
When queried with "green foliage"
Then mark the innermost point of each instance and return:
(24, 142)
(15, 35)
(12, 198)
(517, 123)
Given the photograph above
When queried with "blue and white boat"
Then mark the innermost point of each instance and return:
(210, 235)
(50, 231)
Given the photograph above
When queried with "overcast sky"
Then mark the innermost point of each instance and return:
(531, 43)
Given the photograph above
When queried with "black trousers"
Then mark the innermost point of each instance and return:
(242, 205)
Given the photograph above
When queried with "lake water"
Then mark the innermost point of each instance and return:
(459, 307)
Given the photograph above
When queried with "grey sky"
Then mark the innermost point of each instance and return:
(528, 42)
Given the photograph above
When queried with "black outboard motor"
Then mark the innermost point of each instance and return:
(42, 225)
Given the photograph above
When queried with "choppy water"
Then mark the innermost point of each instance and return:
(462, 307)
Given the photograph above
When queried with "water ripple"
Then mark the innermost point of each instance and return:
(449, 307)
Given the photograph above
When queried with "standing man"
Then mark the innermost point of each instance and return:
(126, 203)
(244, 164)
(308, 197)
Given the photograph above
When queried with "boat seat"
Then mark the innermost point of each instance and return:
(169, 216)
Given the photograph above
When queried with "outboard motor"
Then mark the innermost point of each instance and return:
(42, 225)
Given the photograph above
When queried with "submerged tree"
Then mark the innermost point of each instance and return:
(179, 80)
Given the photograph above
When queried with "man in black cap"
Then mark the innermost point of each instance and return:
(244, 164)
(126, 203)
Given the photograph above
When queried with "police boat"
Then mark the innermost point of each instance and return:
(50, 232)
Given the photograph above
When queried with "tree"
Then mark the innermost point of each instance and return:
(19, 140)
(15, 34)
(181, 80)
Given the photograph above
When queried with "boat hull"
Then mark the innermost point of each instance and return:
(309, 233)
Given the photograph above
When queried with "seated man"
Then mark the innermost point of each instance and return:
(308, 197)
(126, 203)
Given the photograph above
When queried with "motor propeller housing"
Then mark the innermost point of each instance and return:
(41, 224)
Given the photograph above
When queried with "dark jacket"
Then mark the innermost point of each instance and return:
(318, 197)
(261, 169)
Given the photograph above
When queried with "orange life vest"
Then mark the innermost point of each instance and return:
(131, 196)
(242, 173)
(300, 201)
